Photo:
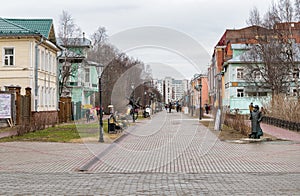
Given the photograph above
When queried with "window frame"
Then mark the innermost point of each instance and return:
(240, 94)
(5, 55)
(87, 74)
(257, 75)
(239, 73)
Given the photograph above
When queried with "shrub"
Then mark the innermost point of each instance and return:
(284, 107)
(237, 122)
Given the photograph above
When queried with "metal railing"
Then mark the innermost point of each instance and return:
(294, 126)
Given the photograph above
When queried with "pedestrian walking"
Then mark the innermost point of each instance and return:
(170, 107)
(178, 107)
(206, 108)
(256, 117)
(87, 115)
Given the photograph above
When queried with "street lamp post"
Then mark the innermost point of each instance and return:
(198, 87)
(100, 103)
(192, 96)
(145, 101)
(151, 102)
(219, 104)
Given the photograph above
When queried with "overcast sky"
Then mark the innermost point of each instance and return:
(203, 21)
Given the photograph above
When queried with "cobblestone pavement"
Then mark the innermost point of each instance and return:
(171, 154)
(281, 133)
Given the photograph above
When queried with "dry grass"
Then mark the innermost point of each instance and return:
(227, 133)
(283, 107)
(238, 122)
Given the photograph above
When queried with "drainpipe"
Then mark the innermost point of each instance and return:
(36, 74)
(57, 79)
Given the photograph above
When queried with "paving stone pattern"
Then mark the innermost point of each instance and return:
(171, 154)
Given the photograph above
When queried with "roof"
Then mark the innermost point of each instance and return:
(14, 26)
(74, 42)
(10, 28)
(240, 35)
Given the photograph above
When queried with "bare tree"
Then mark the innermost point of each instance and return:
(67, 28)
(272, 60)
(297, 10)
(68, 36)
(254, 18)
(117, 67)
(119, 75)
(267, 67)
(285, 8)
(99, 37)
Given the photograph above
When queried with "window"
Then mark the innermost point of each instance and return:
(8, 56)
(295, 73)
(47, 62)
(239, 73)
(87, 75)
(294, 92)
(50, 64)
(40, 96)
(256, 74)
(240, 92)
(251, 94)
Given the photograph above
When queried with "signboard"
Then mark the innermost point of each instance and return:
(5, 106)
(87, 106)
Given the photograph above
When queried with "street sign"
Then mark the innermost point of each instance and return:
(5, 106)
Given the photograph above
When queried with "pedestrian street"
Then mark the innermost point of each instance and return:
(169, 154)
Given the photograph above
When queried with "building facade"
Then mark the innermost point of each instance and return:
(28, 59)
(238, 92)
(229, 89)
(172, 90)
(79, 77)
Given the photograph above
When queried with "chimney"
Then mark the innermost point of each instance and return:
(83, 36)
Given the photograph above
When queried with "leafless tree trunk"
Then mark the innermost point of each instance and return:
(273, 56)
(297, 10)
(68, 37)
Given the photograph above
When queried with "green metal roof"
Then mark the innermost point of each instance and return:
(10, 28)
(43, 26)
(14, 26)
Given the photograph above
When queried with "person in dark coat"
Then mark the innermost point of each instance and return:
(170, 107)
(256, 118)
(206, 108)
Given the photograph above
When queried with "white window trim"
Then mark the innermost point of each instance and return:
(255, 76)
(236, 72)
(3, 56)
(85, 74)
(238, 92)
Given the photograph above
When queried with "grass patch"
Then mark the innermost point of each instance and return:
(60, 133)
(78, 133)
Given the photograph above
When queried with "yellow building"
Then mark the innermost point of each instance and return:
(28, 58)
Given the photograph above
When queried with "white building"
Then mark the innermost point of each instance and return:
(171, 89)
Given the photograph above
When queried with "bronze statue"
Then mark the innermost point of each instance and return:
(256, 118)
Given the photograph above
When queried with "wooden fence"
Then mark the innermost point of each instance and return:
(65, 109)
